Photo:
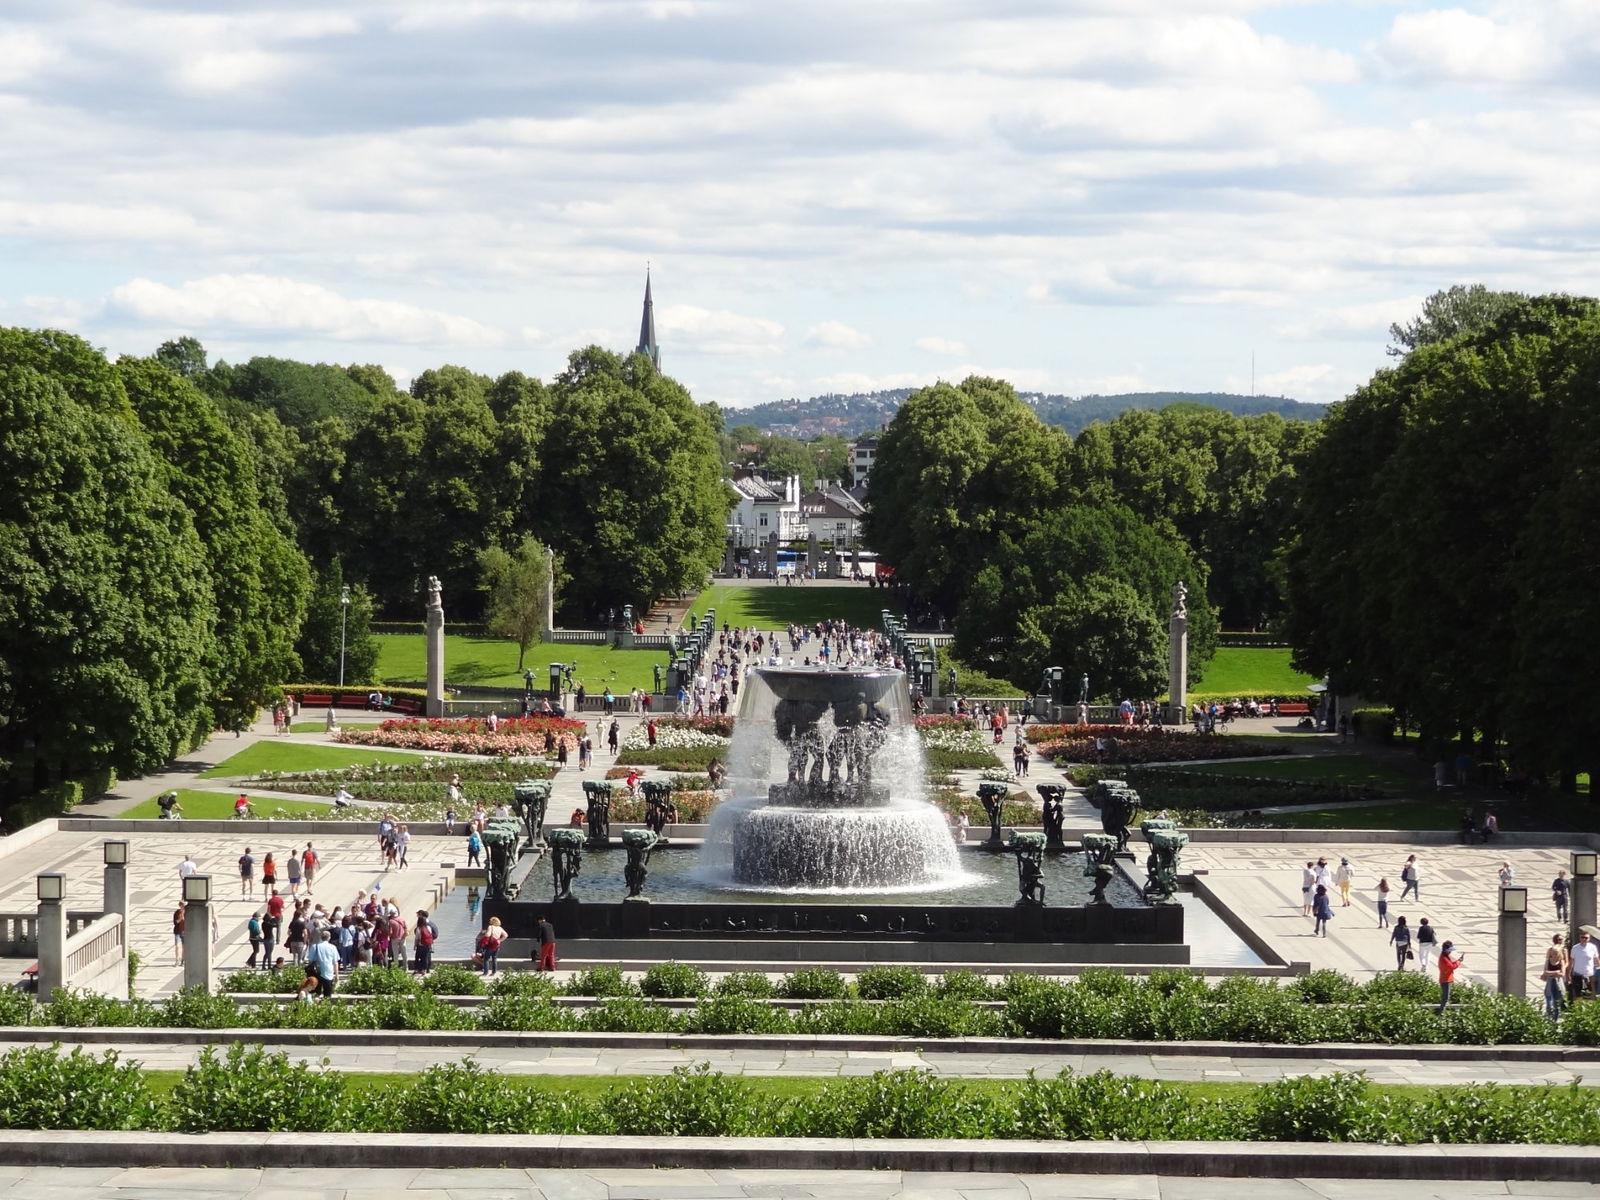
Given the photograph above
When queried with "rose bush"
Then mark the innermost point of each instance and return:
(516, 736)
(1136, 744)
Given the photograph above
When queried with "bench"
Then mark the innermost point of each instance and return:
(1295, 708)
(359, 700)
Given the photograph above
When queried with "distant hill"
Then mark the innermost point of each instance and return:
(855, 413)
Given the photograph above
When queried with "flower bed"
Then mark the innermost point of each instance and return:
(1136, 744)
(1207, 792)
(515, 736)
(954, 745)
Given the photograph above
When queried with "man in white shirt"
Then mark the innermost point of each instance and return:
(187, 867)
(1582, 956)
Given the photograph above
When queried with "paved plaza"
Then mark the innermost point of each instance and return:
(1459, 896)
(490, 1183)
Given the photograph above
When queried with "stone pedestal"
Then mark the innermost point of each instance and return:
(549, 592)
(1513, 955)
(1583, 904)
(772, 555)
(197, 945)
(116, 890)
(332, 723)
(1178, 657)
(52, 947)
(434, 639)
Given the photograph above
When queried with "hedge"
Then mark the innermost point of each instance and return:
(1167, 1006)
(354, 693)
(250, 1090)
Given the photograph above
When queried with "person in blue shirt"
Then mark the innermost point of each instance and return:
(322, 968)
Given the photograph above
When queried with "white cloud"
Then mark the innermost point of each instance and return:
(1368, 321)
(266, 303)
(946, 346)
(716, 331)
(836, 335)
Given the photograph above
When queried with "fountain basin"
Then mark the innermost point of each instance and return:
(843, 849)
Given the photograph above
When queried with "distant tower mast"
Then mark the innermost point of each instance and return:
(647, 325)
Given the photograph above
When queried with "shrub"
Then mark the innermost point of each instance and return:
(253, 1091)
(840, 1017)
(83, 1010)
(523, 983)
(1316, 1108)
(464, 1098)
(745, 983)
(673, 980)
(16, 1007)
(526, 1013)
(1490, 1020)
(451, 979)
(891, 1104)
(601, 981)
(196, 1008)
(1580, 1025)
(891, 983)
(41, 1088)
(1107, 1106)
(737, 1014)
(1325, 987)
(284, 979)
(1402, 985)
(813, 983)
(964, 985)
(628, 1014)
(368, 980)
(690, 1102)
(937, 1017)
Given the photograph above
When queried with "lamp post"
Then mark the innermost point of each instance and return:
(1584, 865)
(1513, 954)
(52, 890)
(197, 932)
(344, 618)
(116, 877)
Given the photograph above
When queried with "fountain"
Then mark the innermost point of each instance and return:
(827, 781)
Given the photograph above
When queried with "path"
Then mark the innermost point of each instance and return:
(644, 1183)
(1170, 1063)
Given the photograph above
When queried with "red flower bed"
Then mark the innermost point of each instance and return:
(945, 721)
(518, 737)
(1135, 744)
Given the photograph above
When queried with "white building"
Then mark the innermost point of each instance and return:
(862, 455)
(832, 514)
(762, 507)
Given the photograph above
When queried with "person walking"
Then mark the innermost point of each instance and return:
(1556, 966)
(1344, 877)
(1383, 904)
(546, 946)
(294, 871)
(489, 946)
(269, 874)
(247, 873)
(1411, 876)
(1426, 940)
(1308, 881)
(1449, 962)
(1400, 939)
(309, 861)
(1322, 909)
(1581, 958)
(1560, 893)
(474, 848)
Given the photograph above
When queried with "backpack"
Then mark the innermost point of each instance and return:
(425, 934)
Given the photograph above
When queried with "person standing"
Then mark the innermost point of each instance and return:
(1560, 893)
(322, 967)
(1449, 962)
(179, 921)
(1411, 876)
(613, 734)
(294, 871)
(253, 928)
(1581, 966)
(1322, 909)
(1308, 881)
(309, 861)
(1344, 877)
(1400, 939)
(247, 873)
(1426, 940)
(269, 874)
(1324, 875)
(474, 848)
(422, 942)
(1383, 904)
(489, 945)
(1507, 875)
(546, 951)
(1555, 976)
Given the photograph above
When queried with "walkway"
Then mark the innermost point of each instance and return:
(1170, 1064)
(492, 1183)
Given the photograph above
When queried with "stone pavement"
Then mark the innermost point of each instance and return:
(1169, 1064)
(349, 862)
(1459, 896)
(491, 1183)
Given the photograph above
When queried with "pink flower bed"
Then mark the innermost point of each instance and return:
(1135, 744)
(516, 736)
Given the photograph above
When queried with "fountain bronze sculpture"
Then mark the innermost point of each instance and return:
(598, 819)
(566, 858)
(1053, 813)
(1117, 803)
(638, 843)
(1099, 863)
(1029, 849)
(531, 801)
(993, 798)
(502, 837)
(1161, 867)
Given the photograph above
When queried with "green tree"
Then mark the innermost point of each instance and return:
(184, 356)
(105, 622)
(517, 587)
(631, 495)
(1463, 308)
(327, 618)
(259, 579)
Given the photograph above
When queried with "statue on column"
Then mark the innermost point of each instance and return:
(1180, 601)
(435, 592)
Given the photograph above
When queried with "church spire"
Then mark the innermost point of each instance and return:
(647, 326)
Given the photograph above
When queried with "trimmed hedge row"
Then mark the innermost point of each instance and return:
(1167, 1006)
(249, 1090)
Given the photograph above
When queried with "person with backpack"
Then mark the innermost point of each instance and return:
(423, 939)
(489, 946)
(253, 928)
(1412, 878)
(1427, 938)
(1400, 939)
(474, 848)
(247, 873)
(308, 863)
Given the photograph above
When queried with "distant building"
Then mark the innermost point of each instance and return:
(862, 455)
(832, 514)
(647, 327)
(762, 507)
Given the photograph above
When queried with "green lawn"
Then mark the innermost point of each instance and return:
(1251, 670)
(493, 662)
(297, 756)
(321, 726)
(1405, 814)
(217, 806)
(770, 606)
(1358, 769)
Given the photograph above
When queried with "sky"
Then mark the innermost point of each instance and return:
(1075, 195)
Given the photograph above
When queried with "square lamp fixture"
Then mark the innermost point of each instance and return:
(197, 889)
(116, 853)
(1584, 864)
(1514, 900)
(52, 886)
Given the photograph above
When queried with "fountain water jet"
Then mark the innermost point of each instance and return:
(827, 778)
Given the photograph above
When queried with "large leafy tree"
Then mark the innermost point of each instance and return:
(958, 466)
(630, 493)
(1436, 561)
(517, 586)
(331, 624)
(259, 579)
(106, 619)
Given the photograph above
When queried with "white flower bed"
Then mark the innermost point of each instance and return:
(949, 737)
(672, 737)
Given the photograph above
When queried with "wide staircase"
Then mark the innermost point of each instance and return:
(669, 612)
